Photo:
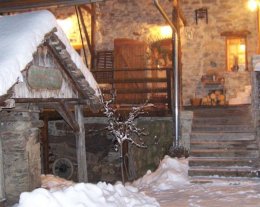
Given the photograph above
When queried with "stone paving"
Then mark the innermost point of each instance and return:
(224, 192)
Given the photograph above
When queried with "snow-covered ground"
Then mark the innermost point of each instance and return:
(168, 186)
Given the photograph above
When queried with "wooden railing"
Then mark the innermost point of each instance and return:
(136, 86)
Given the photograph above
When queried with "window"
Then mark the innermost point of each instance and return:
(236, 54)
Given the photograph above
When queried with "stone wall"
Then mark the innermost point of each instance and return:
(256, 107)
(158, 141)
(19, 136)
(67, 19)
(203, 47)
(134, 19)
(102, 159)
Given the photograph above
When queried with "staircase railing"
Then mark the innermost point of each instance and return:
(137, 85)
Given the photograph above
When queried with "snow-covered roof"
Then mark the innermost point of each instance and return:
(20, 35)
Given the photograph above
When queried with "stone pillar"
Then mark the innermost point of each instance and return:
(19, 134)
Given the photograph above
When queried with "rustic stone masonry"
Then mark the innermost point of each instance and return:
(19, 135)
(102, 159)
(128, 19)
(256, 107)
(203, 47)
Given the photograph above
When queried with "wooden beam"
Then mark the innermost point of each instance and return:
(63, 66)
(93, 34)
(81, 146)
(17, 5)
(63, 109)
(181, 14)
(45, 144)
(86, 8)
(2, 181)
(85, 31)
(50, 101)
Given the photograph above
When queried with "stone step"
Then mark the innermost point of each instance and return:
(223, 128)
(221, 120)
(224, 153)
(222, 112)
(223, 171)
(231, 180)
(229, 136)
(221, 161)
(218, 144)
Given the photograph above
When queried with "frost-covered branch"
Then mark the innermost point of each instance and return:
(125, 129)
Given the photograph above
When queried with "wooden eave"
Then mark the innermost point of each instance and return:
(241, 33)
(74, 74)
(17, 5)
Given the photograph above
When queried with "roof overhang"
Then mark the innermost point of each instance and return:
(17, 5)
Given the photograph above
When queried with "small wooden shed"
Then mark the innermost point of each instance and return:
(39, 70)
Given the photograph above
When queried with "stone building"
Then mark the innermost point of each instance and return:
(128, 48)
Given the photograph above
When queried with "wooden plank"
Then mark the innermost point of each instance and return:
(85, 31)
(81, 146)
(67, 115)
(45, 144)
(137, 90)
(153, 100)
(93, 34)
(138, 80)
(16, 5)
(52, 101)
(64, 68)
(2, 191)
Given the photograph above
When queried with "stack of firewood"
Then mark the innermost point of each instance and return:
(214, 98)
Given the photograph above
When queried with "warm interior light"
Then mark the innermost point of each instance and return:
(236, 54)
(66, 25)
(242, 47)
(252, 5)
(166, 31)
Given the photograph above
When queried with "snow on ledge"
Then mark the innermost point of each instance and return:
(20, 35)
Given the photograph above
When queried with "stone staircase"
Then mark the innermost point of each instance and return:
(223, 142)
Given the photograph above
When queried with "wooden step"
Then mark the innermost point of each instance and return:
(221, 120)
(229, 136)
(221, 161)
(223, 128)
(223, 171)
(224, 153)
(218, 144)
(232, 109)
(222, 113)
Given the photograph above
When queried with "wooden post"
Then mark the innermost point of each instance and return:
(45, 145)
(81, 147)
(169, 77)
(2, 189)
(258, 29)
(93, 33)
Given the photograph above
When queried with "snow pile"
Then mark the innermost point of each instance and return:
(169, 173)
(20, 35)
(63, 193)
(87, 195)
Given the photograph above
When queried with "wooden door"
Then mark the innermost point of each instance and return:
(130, 56)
